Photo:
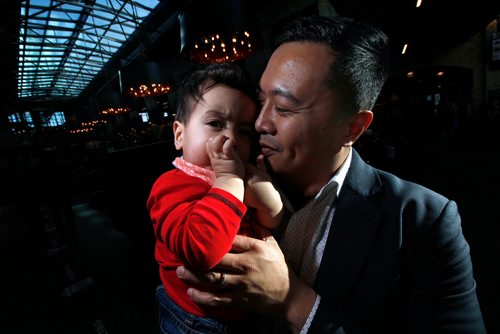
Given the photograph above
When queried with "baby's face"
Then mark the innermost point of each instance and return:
(222, 110)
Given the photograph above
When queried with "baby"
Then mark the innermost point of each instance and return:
(198, 208)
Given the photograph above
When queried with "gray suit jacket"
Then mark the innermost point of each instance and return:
(396, 261)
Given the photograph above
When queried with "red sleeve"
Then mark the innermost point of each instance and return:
(196, 223)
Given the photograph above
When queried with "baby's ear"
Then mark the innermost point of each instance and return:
(178, 129)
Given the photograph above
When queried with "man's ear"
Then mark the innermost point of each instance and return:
(358, 124)
(178, 129)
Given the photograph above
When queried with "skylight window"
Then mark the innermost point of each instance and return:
(64, 44)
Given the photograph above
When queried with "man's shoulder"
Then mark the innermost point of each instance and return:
(369, 181)
(407, 189)
(390, 192)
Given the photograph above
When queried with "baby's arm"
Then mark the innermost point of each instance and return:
(228, 168)
(261, 195)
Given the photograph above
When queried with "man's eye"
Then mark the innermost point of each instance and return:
(281, 110)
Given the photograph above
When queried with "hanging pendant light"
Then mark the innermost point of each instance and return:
(218, 31)
(146, 79)
(111, 102)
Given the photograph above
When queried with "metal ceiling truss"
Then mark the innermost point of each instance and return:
(65, 44)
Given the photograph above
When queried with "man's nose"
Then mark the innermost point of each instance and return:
(265, 123)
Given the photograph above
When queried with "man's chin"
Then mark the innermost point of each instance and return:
(277, 167)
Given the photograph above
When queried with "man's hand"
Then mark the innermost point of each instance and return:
(257, 279)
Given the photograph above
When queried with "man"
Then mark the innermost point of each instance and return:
(367, 252)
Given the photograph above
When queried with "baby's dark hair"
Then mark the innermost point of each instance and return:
(195, 85)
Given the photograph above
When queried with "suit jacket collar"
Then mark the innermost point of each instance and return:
(353, 230)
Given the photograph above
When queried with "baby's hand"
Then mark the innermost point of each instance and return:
(261, 194)
(223, 157)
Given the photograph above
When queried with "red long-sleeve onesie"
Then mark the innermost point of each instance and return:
(194, 226)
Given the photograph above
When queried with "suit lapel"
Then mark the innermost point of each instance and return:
(353, 230)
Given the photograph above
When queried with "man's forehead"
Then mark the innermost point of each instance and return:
(282, 91)
(291, 73)
(313, 51)
(299, 60)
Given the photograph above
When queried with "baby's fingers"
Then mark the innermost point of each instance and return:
(261, 163)
(228, 149)
(215, 144)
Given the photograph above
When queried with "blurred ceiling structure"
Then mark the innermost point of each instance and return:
(63, 45)
(55, 50)
(61, 49)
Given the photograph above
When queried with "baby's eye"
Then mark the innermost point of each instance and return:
(215, 124)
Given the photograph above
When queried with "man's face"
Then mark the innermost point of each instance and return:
(301, 130)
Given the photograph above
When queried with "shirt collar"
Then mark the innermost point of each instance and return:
(194, 170)
(334, 184)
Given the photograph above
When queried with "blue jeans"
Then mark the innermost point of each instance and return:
(174, 320)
